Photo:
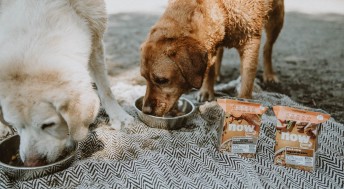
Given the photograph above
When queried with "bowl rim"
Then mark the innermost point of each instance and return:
(72, 154)
(167, 118)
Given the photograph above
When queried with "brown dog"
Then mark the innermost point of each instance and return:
(185, 44)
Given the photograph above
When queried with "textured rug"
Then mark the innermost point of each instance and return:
(142, 157)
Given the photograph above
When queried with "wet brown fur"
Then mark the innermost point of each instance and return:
(189, 39)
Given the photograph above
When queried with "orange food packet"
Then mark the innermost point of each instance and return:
(241, 126)
(297, 131)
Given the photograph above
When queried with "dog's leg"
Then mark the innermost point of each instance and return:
(206, 92)
(219, 55)
(118, 116)
(249, 61)
(94, 12)
(272, 28)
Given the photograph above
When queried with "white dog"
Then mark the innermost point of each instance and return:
(49, 51)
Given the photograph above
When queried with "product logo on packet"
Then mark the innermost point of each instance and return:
(295, 137)
(235, 127)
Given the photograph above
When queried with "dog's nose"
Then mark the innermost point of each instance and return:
(147, 107)
(33, 162)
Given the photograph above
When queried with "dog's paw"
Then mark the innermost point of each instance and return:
(120, 121)
(270, 78)
(116, 124)
(5, 131)
(205, 96)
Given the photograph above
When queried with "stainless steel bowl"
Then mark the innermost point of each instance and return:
(184, 106)
(10, 147)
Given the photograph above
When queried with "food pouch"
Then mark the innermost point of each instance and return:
(241, 126)
(297, 131)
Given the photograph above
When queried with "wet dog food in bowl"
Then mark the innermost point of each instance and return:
(12, 165)
(175, 119)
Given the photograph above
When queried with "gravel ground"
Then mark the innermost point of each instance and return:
(308, 57)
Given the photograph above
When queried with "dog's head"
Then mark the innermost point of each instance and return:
(171, 66)
(47, 114)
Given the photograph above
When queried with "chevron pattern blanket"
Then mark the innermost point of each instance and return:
(144, 157)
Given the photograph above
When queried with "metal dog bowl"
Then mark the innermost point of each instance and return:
(184, 106)
(10, 147)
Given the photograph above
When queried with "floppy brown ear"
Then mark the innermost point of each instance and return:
(79, 112)
(191, 58)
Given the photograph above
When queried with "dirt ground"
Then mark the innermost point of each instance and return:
(308, 57)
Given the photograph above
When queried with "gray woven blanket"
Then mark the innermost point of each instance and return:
(144, 157)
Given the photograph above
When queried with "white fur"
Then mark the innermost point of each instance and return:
(50, 53)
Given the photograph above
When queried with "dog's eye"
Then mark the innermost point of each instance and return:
(161, 81)
(46, 125)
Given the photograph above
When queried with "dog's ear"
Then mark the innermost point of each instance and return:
(191, 57)
(79, 112)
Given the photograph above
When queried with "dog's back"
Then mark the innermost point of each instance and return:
(40, 33)
(244, 19)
